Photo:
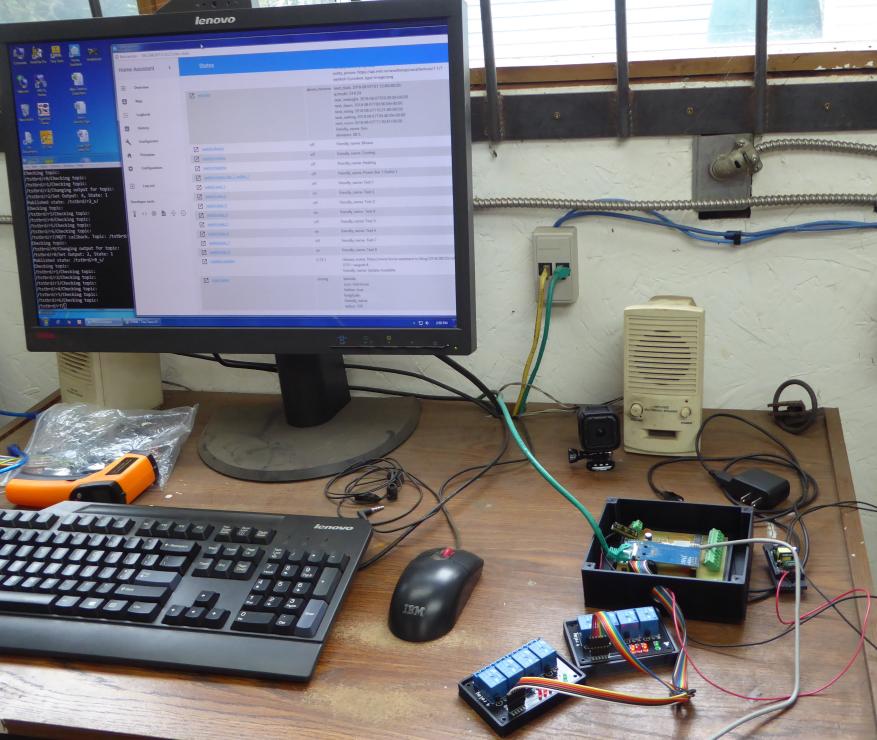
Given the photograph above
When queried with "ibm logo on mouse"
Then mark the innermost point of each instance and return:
(413, 610)
(199, 21)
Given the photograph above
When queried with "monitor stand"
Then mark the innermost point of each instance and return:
(318, 430)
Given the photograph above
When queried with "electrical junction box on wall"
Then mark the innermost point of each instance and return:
(663, 375)
(111, 380)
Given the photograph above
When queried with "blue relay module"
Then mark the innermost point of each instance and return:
(642, 630)
(487, 690)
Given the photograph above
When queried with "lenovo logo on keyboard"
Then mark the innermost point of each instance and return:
(333, 526)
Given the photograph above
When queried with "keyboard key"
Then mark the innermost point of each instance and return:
(281, 587)
(48, 585)
(337, 559)
(200, 531)
(251, 553)
(212, 550)
(85, 587)
(181, 531)
(79, 539)
(88, 571)
(247, 621)
(8, 535)
(95, 556)
(85, 523)
(295, 556)
(114, 608)
(107, 574)
(252, 601)
(231, 551)
(243, 570)
(30, 584)
(302, 588)
(277, 555)
(141, 611)
(12, 582)
(194, 616)
(224, 533)
(215, 618)
(61, 538)
(97, 540)
(222, 569)
(52, 569)
(44, 521)
(77, 555)
(261, 585)
(269, 571)
(309, 573)
(132, 544)
(309, 621)
(272, 603)
(149, 561)
(68, 524)
(155, 594)
(131, 559)
(179, 548)
(25, 518)
(37, 603)
(7, 550)
(104, 589)
(16, 567)
(121, 525)
(114, 542)
(174, 614)
(68, 586)
(316, 557)
(34, 568)
(243, 534)
(102, 524)
(284, 624)
(163, 529)
(207, 599)
(156, 578)
(125, 575)
(149, 544)
(263, 536)
(89, 607)
(175, 563)
(113, 558)
(42, 553)
(203, 567)
(66, 605)
(325, 587)
(289, 572)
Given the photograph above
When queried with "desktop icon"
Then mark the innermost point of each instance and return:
(43, 110)
(55, 51)
(78, 79)
(47, 137)
(39, 82)
(73, 51)
(18, 53)
(27, 139)
(82, 135)
(36, 52)
(22, 81)
(79, 107)
(92, 52)
(25, 110)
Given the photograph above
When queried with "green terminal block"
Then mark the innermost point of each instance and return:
(637, 527)
(713, 558)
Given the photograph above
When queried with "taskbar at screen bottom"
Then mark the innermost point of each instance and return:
(77, 319)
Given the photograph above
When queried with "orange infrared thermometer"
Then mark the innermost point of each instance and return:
(122, 481)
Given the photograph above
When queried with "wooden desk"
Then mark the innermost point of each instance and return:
(369, 684)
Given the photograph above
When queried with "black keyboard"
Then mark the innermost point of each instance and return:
(217, 591)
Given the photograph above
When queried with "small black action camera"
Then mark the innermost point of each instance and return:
(599, 435)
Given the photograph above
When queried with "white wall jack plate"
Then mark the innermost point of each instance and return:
(555, 246)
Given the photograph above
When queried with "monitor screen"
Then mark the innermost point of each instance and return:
(226, 180)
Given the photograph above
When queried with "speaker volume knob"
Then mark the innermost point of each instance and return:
(636, 410)
(685, 412)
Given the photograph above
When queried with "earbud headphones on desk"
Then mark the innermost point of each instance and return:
(794, 416)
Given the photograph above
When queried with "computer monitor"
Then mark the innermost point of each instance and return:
(294, 181)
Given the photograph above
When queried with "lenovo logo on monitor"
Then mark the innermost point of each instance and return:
(199, 21)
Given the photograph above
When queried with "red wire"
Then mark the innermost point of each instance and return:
(803, 693)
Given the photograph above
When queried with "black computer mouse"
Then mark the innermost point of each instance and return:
(431, 593)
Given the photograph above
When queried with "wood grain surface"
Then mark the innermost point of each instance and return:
(370, 684)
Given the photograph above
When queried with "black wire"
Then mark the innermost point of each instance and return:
(787, 631)
(267, 367)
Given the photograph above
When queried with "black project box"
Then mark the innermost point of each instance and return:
(722, 600)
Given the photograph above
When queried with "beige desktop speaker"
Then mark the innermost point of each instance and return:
(112, 380)
(663, 375)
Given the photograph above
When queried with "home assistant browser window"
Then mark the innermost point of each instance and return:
(298, 178)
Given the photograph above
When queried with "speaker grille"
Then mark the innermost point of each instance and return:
(662, 355)
(77, 365)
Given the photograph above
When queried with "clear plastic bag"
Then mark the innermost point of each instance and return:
(75, 440)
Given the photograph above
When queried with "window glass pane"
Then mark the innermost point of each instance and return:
(18, 11)
(540, 32)
(119, 7)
